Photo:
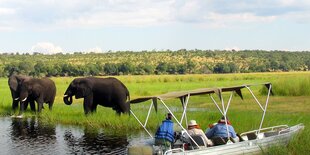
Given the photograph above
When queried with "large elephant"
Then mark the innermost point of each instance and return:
(14, 84)
(108, 92)
(41, 90)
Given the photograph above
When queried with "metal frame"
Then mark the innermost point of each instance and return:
(223, 111)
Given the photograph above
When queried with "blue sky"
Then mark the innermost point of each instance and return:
(51, 26)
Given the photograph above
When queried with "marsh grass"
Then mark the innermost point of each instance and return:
(290, 105)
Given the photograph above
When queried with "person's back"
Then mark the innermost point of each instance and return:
(165, 131)
(165, 135)
(220, 129)
(194, 129)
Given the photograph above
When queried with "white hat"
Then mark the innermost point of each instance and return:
(192, 123)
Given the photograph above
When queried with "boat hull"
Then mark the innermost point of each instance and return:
(245, 147)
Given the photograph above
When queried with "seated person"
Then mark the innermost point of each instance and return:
(219, 130)
(194, 129)
(165, 134)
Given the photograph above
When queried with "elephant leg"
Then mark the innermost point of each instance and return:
(21, 108)
(50, 105)
(32, 106)
(26, 105)
(40, 104)
(94, 107)
(14, 105)
(88, 101)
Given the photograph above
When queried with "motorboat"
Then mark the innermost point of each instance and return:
(250, 142)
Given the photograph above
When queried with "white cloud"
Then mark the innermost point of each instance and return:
(232, 48)
(95, 50)
(46, 48)
(6, 11)
(51, 14)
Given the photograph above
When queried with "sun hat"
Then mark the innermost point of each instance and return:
(192, 123)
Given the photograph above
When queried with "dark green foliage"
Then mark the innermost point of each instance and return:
(153, 62)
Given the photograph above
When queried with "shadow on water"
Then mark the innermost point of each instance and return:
(30, 136)
(95, 142)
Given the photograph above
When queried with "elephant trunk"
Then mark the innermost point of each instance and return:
(67, 102)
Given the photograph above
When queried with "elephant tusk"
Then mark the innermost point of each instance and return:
(24, 99)
(17, 98)
(66, 95)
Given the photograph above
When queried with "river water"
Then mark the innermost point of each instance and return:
(29, 136)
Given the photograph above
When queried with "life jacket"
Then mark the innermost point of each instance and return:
(165, 131)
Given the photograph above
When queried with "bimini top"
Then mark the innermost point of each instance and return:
(202, 91)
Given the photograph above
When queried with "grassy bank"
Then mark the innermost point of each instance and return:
(290, 105)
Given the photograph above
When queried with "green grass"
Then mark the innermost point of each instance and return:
(290, 105)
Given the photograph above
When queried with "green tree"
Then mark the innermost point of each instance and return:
(110, 68)
(25, 67)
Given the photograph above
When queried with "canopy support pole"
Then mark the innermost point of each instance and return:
(178, 122)
(141, 123)
(216, 104)
(224, 110)
(263, 117)
(184, 109)
(260, 105)
(148, 114)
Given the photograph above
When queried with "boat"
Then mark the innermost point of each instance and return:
(251, 142)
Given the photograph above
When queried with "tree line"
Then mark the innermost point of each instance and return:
(153, 62)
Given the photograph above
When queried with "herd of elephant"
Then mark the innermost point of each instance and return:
(108, 92)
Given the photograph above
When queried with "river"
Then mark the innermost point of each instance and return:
(29, 136)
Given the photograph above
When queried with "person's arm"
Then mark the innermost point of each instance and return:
(210, 133)
(208, 141)
(232, 131)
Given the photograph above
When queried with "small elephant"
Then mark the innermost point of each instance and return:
(108, 92)
(41, 90)
(14, 84)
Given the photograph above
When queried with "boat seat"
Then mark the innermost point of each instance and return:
(271, 133)
(199, 140)
(251, 136)
(240, 138)
(219, 141)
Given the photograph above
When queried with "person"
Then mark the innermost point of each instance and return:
(194, 129)
(165, 135)
(220, 130)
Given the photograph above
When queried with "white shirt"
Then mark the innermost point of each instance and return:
(195, 131)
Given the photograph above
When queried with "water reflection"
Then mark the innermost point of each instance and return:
(31, 136)
(95, 142)
(28, 135)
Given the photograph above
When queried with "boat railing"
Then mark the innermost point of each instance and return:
(174, 151)
(282, 127)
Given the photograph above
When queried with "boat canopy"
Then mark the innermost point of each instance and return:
(201, 91)
(185, 95)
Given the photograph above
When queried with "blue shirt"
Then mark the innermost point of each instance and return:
(165, 131)
(219, 130)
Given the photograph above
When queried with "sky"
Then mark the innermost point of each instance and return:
(53, 26)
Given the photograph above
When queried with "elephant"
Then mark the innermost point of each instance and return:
(108, 92)
(41, 90)
(14, 84)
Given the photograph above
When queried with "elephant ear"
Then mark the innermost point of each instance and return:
(85, 89)
(13, 83)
